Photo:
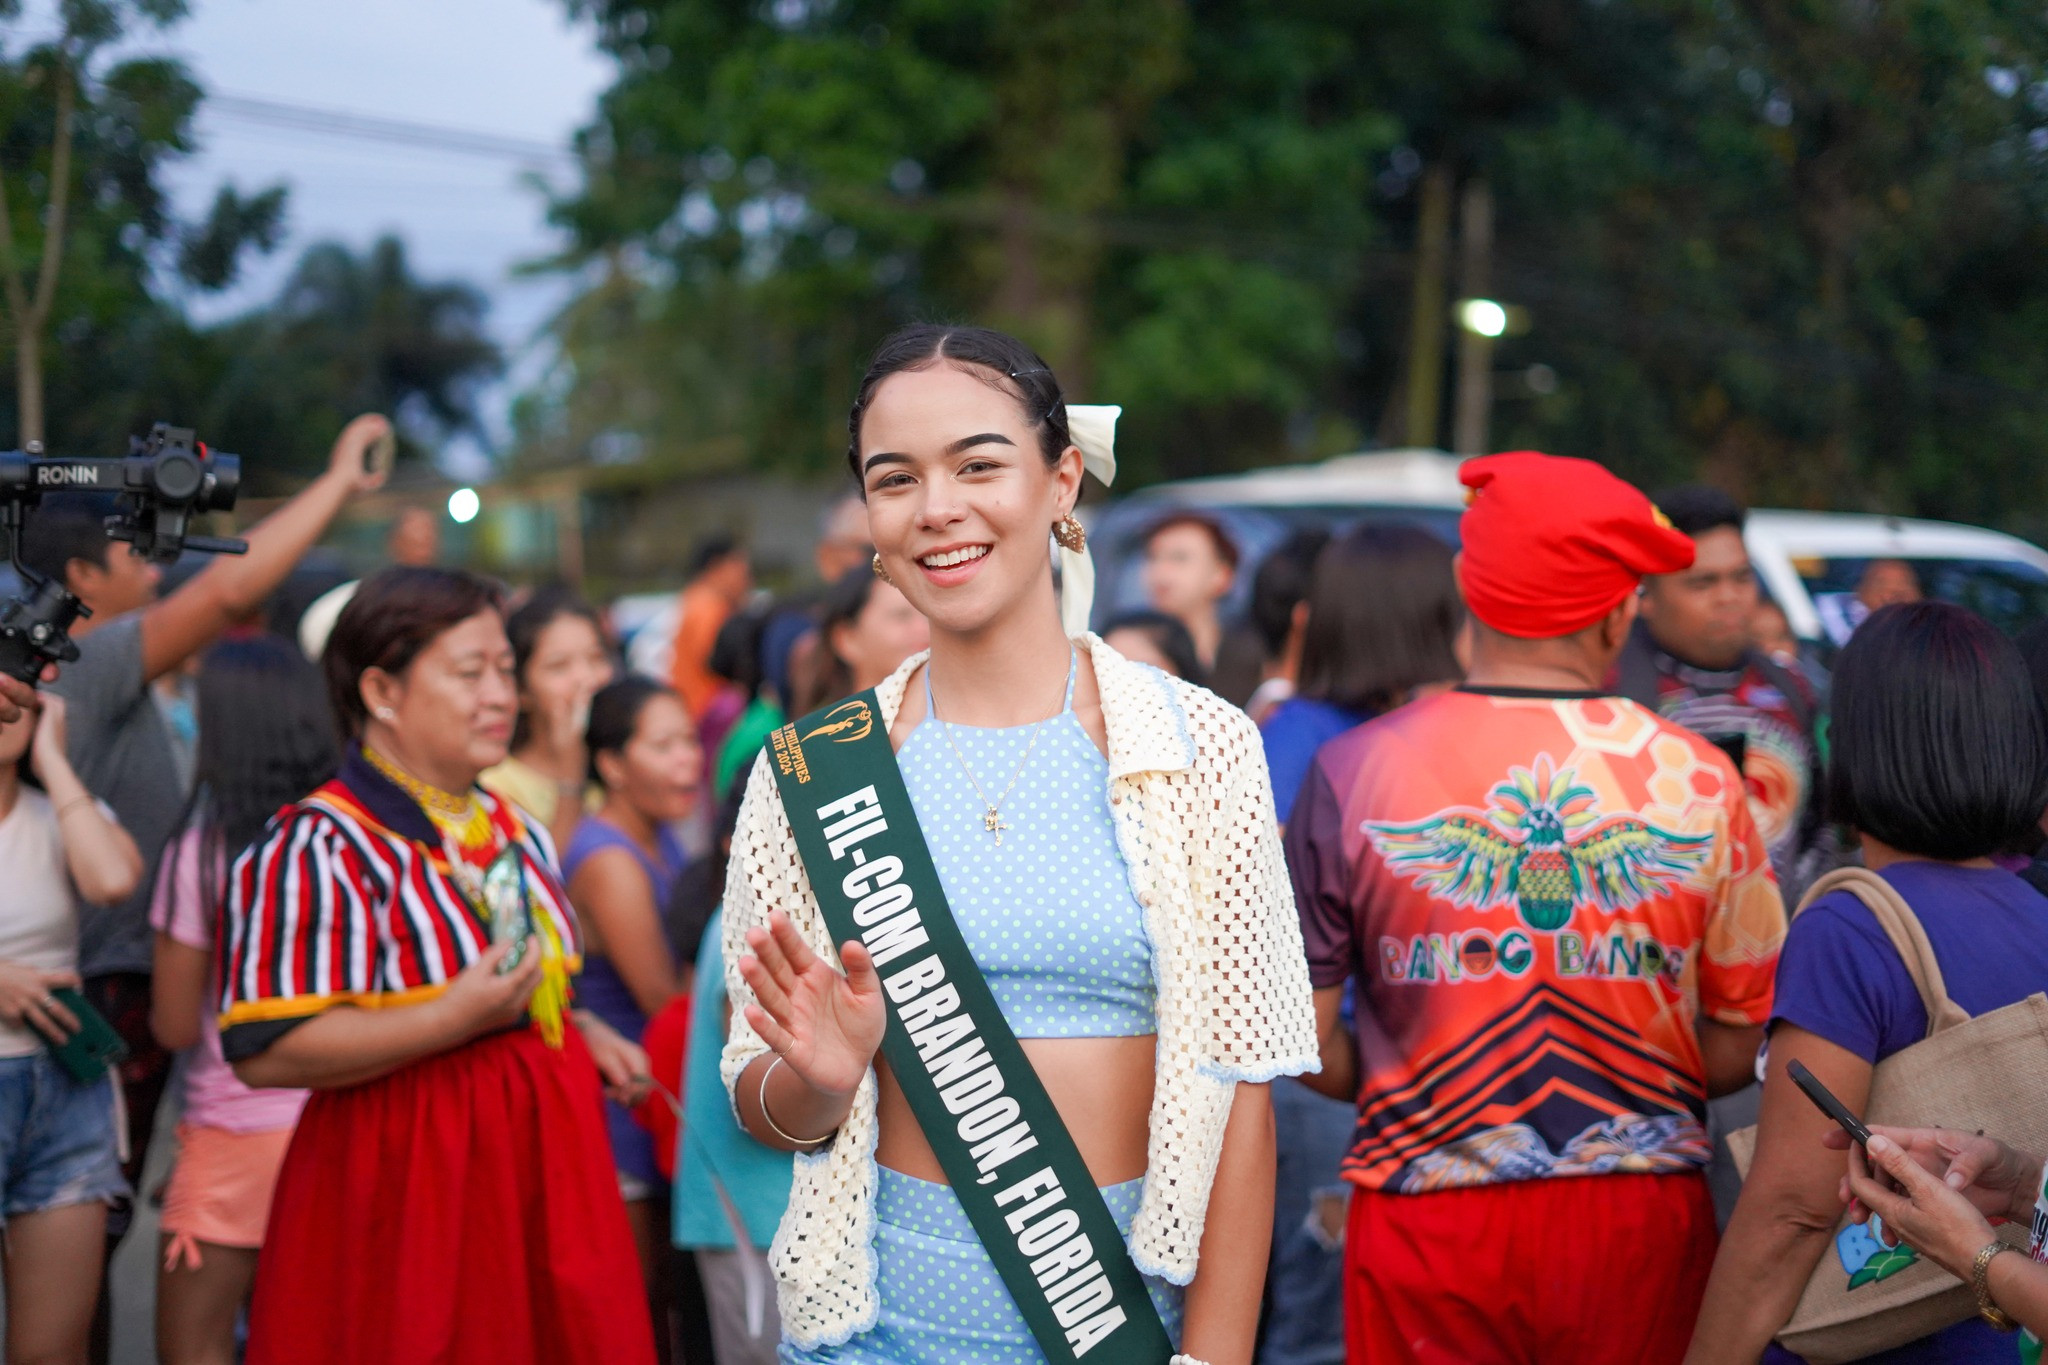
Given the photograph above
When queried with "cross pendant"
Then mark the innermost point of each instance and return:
(993, 823)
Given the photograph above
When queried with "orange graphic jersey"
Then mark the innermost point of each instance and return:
(1536, 895)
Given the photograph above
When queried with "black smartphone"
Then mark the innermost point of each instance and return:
(1825, 1100)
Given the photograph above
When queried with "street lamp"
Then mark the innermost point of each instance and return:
(463, 505)
(1483, 317)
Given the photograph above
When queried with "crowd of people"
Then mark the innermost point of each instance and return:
(1418, 965)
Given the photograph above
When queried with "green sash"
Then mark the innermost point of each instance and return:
(1001, 1143)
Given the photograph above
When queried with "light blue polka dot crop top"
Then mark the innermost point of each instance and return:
(1049, 914)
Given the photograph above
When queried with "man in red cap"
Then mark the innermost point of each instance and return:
(1562, 927)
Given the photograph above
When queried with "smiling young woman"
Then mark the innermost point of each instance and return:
(1098, 828)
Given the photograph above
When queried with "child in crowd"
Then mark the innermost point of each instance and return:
(265, 740)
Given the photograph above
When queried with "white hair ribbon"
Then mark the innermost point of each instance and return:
(1092, 427)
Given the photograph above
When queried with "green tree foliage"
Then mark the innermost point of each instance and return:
(103, 269)
(84, 219)
(772, 187)
(1793, 245)
(346, 334)
(1810, 268)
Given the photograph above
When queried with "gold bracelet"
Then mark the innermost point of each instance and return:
(1980, 1276)
(769, 1118)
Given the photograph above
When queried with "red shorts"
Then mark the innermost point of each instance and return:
(1586, 1269)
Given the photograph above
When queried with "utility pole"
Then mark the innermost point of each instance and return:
(1474, 402)
(1426, 319)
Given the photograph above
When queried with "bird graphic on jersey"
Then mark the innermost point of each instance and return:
(1542, 845)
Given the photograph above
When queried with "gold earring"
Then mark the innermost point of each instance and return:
(880, 572)
(1070, 534)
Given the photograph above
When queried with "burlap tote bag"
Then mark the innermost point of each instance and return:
(1980, 1075)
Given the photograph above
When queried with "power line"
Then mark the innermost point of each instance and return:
(344, 123)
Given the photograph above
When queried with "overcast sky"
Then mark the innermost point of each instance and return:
(515, 69)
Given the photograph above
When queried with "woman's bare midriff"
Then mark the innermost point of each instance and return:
(1101, 1086)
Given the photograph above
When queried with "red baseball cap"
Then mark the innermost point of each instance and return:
(1553, 544)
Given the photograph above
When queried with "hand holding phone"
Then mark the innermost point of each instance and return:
(1824, 1099)
(380, 453)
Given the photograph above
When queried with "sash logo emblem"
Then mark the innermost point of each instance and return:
(845, 723)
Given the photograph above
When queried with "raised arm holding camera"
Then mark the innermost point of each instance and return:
(118, 741)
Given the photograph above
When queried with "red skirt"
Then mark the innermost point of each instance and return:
(461, 1211)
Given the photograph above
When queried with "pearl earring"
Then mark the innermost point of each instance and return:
(386, 714)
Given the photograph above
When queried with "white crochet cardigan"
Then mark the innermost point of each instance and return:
(1193, 809)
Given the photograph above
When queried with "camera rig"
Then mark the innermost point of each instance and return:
(165, 480)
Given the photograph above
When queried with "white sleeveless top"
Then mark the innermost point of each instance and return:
(39, 914)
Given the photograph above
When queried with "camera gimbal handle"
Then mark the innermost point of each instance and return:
(167, 480)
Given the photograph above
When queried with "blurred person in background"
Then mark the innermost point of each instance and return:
(60, 1167)
(1380, 625)
(1153, 637)
(563, 659)
(736, 659)
(1190, 567)
(266, 739)
(1888, 583)
(415, 539)
(1883, 583)
(730, 1191)
(719, 582)
(866, 629)
(790, 635)
(1555, 966)
(843, 544)
(117, 737)
(1938, 761)
(1279, 613)
(445, 1046)
(621, 866)
(738, 656)
(1772, 633)
(1692, 658)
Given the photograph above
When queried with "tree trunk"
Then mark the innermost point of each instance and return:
(1474, 408)
(1426, 320)
(28, 381)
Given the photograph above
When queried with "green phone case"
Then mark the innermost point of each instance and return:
(87, 1054)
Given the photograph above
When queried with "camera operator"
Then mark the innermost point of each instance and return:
(118, 739)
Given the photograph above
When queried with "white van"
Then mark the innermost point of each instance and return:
(1809, 562)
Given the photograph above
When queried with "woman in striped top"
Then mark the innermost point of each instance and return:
(400, 943)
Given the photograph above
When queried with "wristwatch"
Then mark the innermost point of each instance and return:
(1980, 1276)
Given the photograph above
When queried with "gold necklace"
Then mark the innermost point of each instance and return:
(461, 816)
(992, 814)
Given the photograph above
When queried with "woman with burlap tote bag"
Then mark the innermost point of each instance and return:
(1912, 990)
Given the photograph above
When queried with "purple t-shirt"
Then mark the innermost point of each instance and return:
(1840, 978)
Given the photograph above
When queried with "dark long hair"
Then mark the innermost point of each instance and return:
(524, 627)
(1003, 362)
(1383, 614)
(266, 739)
(615, 716)
(827, 677)
(1937, 744)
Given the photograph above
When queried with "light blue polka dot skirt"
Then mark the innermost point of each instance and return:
(942, 1301)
